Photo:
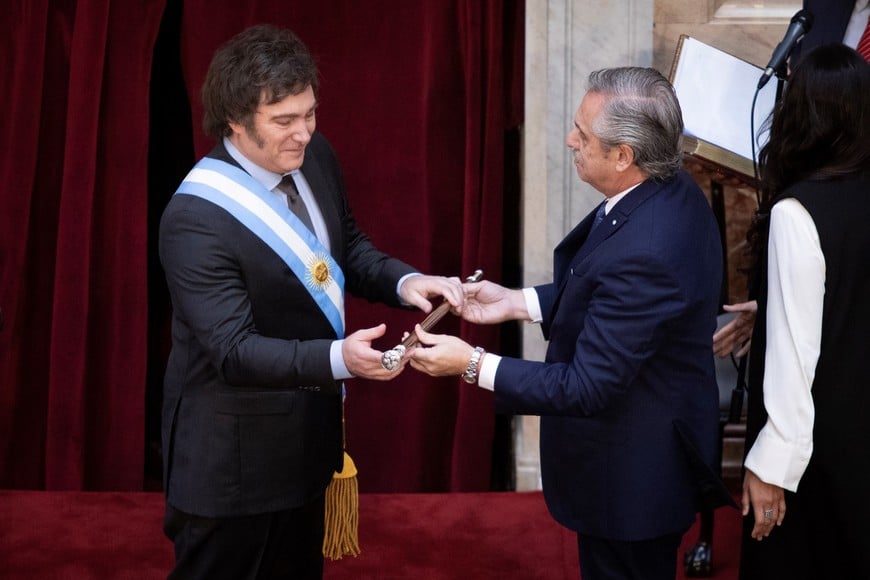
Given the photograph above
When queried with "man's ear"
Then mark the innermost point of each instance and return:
(237, 128)
(624, 157)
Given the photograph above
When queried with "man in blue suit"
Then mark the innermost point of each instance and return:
(627, 395)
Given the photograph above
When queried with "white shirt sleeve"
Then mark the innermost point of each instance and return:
(533, 304)
(488, 368)
(336, 360)
(796, 290)
(489, 365)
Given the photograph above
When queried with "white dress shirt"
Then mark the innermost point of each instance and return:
(796, 290)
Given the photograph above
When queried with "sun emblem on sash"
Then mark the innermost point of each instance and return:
(318, 276)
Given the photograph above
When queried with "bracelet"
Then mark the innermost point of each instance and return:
(470, 374)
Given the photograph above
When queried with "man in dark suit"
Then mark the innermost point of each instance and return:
(627, 395)
(834, 21)
(258, 246)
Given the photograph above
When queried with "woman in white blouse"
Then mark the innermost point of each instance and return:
(806, 491)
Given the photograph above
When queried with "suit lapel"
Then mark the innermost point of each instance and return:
(326, 200)
(580, 243)
(618, 216)
(564, 253)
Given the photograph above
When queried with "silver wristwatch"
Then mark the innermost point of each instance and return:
(470, 374)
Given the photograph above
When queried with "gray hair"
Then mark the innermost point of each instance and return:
(641, 110)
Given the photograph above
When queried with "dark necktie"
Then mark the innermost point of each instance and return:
(295, 201)
(599, 216)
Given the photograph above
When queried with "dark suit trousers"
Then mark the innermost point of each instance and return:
(654, 559)
(284, 544)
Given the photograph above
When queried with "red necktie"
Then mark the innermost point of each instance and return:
(863, 47)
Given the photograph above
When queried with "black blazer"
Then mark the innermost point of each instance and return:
(251, 413)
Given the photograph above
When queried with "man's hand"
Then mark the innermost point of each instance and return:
(439, 355)
(418, 290)
(705, 172)
(767, 502)
(489, 303)
(734, 336)
(364, 361)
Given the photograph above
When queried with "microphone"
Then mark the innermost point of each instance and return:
(800, 24)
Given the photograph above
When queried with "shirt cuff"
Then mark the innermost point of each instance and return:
(533, 304)
(336, 361)
(778, 462)
(488, 368)
(402, 281)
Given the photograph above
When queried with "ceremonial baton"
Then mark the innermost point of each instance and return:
(391, 358)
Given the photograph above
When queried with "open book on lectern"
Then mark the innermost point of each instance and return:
(715, 90)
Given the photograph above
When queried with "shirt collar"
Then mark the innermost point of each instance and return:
(612, 201)
(268, 179)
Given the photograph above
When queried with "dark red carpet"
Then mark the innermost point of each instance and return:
(101, 536)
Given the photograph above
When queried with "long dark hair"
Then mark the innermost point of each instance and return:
(818, 130)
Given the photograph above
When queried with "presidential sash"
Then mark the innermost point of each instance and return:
(247, 200)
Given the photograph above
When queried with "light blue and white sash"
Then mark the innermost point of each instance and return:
(247, 200)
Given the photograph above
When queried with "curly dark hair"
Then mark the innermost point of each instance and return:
(819, 130)
(260, 64)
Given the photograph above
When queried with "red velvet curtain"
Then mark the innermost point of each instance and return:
(416, 98)
(74, 293)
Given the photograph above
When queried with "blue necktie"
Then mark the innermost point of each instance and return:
(599, 216)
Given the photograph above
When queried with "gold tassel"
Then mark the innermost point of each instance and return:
(342, 513)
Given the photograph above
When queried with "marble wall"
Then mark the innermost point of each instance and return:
(567, 39)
